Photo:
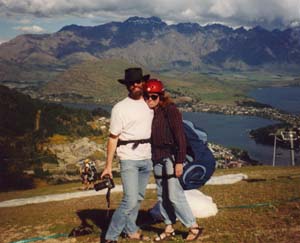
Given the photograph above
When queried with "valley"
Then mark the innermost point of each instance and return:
(205, 69)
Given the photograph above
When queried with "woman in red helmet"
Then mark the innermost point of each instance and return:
(168, 154)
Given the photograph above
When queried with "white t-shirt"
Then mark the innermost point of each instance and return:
(132, 119)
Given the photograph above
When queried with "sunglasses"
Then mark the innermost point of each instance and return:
(153, 97)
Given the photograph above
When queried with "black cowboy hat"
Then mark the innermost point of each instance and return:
(132, 75)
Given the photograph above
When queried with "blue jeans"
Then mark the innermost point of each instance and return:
(171, 197)
(135, 176)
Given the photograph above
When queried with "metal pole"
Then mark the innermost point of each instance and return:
(292, 149)
(274, 151)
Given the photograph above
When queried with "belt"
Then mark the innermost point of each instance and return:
(135, 142)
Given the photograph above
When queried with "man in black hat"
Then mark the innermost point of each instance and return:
(130, 131)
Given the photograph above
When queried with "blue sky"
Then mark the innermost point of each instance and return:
(48, 16)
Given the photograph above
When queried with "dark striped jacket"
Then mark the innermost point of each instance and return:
(168, 136)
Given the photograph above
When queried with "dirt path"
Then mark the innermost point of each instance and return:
(215, 180)
(60, 197)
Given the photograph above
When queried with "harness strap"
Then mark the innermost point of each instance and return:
(164, 170)
(135, 142)
(164, 176)
(108, 201)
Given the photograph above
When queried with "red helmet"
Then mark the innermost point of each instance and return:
(154, 86)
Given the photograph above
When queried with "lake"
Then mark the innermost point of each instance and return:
(283, 98)
(233, 131)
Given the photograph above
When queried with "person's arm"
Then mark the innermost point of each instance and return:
(111, 149)
(115, 130)
(176, 125)
(175, 121)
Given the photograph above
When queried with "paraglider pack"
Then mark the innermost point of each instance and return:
(200, 163)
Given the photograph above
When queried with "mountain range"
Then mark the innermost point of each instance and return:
(36, 59)
(152, 43)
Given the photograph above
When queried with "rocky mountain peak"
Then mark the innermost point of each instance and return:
(259, 29)
(188, 28)
(152, 43)
(218, 27)
(144, 21)
(72, 27)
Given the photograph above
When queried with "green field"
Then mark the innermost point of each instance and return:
(262, 208)
(96, 82)
(224, 87)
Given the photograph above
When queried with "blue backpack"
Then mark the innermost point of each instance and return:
(200, 163)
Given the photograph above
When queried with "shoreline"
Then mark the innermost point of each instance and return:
(248, 108)
(266, 112)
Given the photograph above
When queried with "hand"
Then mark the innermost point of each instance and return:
(178, 169)
(106, 171)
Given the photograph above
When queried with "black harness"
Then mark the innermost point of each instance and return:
(164, 175)
(135, 142)
(108, 202)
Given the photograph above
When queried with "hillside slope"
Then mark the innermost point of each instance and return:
(25, 124)
(152, 43)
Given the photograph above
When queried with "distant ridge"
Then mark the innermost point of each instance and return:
(156, 45)
(67, 63)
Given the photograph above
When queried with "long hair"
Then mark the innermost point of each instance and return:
(165, 99)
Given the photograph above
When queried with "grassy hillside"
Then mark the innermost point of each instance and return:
(223, 86)
(96, 81)
(263, 208)
(20, 134)
(29, 72)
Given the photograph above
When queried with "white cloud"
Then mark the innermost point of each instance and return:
(30, 29)
(269, 13)
(2, 41)
(295, 24)
(224, 9)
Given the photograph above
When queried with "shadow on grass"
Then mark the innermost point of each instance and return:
(92, 217)
(101, 219)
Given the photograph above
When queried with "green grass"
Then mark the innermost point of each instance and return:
(97, 81)
(264, 208)
(224, 86)
(221, 87)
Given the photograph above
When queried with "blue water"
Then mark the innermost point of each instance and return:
(233, 131)
(284, 98)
